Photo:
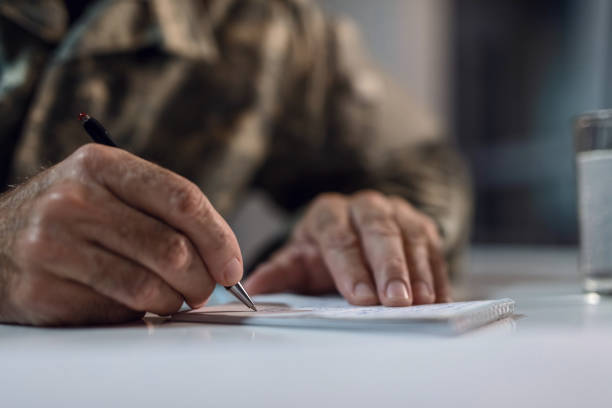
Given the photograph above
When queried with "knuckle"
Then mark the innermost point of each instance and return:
(415, 234)
(416, 239)
(50, 215)
(429, 225)
(338, 238)
(398, 204)
(35, 237)
(142, 290)
(328, 199)
(188, 200)
(110, 276)
(395, 267)
(221, 236)
(397, 199)
(379, 224)
(61, 200)
(329, 209)
(178, 255)
(371, 197)
(89, 158)
(36, 245)
(373, 214)
(403, 203)
(147, 293)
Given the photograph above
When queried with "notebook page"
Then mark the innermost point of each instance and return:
(316, 312)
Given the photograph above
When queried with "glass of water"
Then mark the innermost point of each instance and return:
(593, 141)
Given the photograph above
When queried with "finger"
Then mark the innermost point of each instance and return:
(148, 242)
(441, 280)
(295, 268)
(284, 272)
(421, 274)
(382, 244)
(424, 247)
(46, 300)
(171, 198)
(319, 278)
(416, 247)
(442, 285)
(111, 275)
(327, 224)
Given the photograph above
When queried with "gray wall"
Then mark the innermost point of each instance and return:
(408, 39)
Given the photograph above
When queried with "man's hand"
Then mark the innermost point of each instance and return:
(104, 237)
(371, 248)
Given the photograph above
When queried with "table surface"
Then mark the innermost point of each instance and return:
(556, 351)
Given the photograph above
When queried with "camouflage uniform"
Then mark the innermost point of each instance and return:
(231, 94)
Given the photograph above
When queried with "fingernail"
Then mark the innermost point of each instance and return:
(422, 289)
(233, 271)
(363, 290)
(396, 289)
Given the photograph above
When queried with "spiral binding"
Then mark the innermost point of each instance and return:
(486, 314)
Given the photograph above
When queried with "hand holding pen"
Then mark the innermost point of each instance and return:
(100, 135)
(104, 236)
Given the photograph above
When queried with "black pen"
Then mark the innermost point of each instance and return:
(100, 135)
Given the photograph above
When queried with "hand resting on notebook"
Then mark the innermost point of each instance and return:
(370, 247)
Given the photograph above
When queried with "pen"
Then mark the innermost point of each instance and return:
(100, 135)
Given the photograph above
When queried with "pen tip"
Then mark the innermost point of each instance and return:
(253, 308)
(83, 117)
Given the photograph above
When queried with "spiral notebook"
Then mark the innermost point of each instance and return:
(304, 311)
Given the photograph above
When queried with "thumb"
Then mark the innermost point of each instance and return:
(284, 272)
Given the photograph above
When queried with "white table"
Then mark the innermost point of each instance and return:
(556, 353)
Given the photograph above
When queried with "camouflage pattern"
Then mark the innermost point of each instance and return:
(231, 94)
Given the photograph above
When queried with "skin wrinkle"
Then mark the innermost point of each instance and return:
(173, 252)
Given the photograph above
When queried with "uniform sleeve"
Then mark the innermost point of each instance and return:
(344, 127)
(22, 58)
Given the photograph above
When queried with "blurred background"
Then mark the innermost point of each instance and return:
(505, 77)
